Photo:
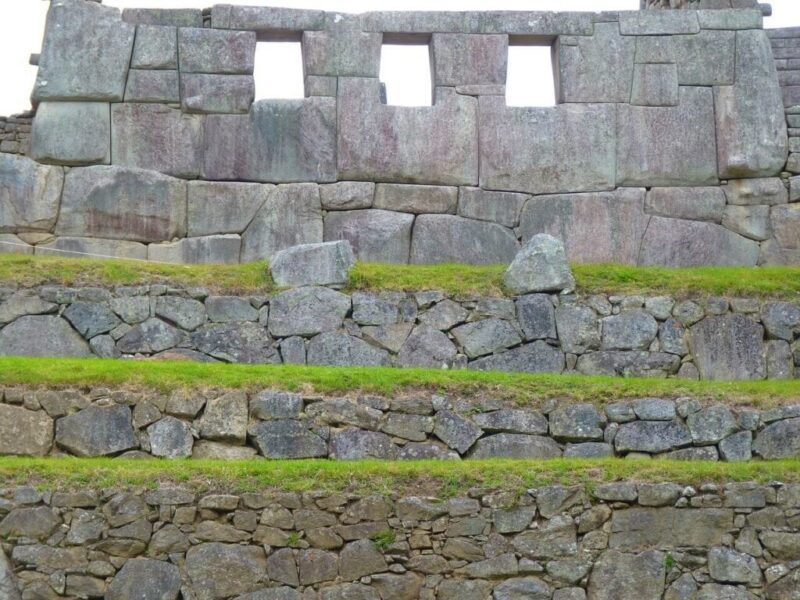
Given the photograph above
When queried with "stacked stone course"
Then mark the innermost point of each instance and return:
(15, 133)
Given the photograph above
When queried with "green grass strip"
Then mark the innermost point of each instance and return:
(458, 280)
(440, 478)
(526, 389)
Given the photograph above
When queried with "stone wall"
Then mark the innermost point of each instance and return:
(280, 425)
(620, 541)
(714, 338)
(15, 133)
(666, 146)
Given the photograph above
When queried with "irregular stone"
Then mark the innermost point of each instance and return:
(536, 357)
(72, 246)
(463, 589)
(728, 566)
(73, 66)
(360, 558)
(369, 309)
(425, 347)
(512, 421)
(782, 589)
(145, 579)
(716, 591)
(780, 362)
(290, 216)
(216, 451)
(210, 249)
(452, 239)
(357, 444)
(375, 235)
(340, 349)
(620, 576)
(541, 266)
(589, 450)
(756, 191)
(710, 425)
(408, 427)
(635, 363)
(72, 133)
(347, 195)
(737, 447)
(156, 47)
(186, 313)
(12, 244)
(29, 194)
(215, 207)
(512, 445)
(554, 539)
(42, 336)
(654, 409)
(781, 319)
(390, 337)
(24, 432)
(749, 221)
(151, 336)
(225, 418)
(307, 311)
(728, 347)
(216, 51)
(455, 431)
(170, 438)
(416, 199)
(153, 86)
(206, 94)
(785, 225)
(127, 204)
(634, 330)
(287, 439)
(694, 204)
(328, 263)
(778, 440)
(226, 309)
(157, 138)
(22, 304)
(35, 523)
(576, 423)
(486, 336)
(221, 570)
(651, 436)
(577, 329)
(426, 451)
(536, 317)
(500, 207)
(672, 337)
(97, 431)
(523, 588)
(8, 584)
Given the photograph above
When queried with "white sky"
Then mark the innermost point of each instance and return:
(21, 34)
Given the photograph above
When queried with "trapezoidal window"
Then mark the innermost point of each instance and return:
(279, 70)
(530, 80)
(406, 74)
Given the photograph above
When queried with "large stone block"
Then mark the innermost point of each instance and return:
(313, 264)
(24, 432)
(417, 199)
(42, 336)
(203, 93)
(460, 59)
(223, 570)
(291, 215)
(156, 47)
(706, 58)
(451, 239)
(216, 51)
(655, 85)
(598, 69)
(751, 127)
(618, 576)
(152, 86)
(125, 204)
(568, 148)
(501, 207)
(343, 50)
(596, 228)
(280, 141)
(681, 243)
(540, 266)
(158, 138)
(375, 235)
(168, 17)
(210, 249)
(215, 207)
(81, 246)
(728, 347)
(665, 146)
(694, 204)
(437, 145)
(76, 66)
(266, 18)
(658, 23)
(72, 133)
(29, 194)
(785, 220)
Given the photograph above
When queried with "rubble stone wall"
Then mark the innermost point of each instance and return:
(667, 146)
(625, 541)
(715, 338)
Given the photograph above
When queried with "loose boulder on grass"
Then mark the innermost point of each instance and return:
(541, 266)
(328, 263)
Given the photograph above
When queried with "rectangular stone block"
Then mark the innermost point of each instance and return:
(213, 249)
(375, 235)
(655, 85)
(156, 137)
(646, 528)
(123, 204)
(76, 247)
(539, 23)
(29, 194)
(451, 239)
(417, 199)
(656, 49)
(266, 18)
(666, 22)
(695, 204)
(77, 66)
(203, 93)
(347, 195)
(72, 133)
(156, 47)
(501, 207)
(595, 228)
(175, 17)
(460, 59)
(318, 85)
(215, 208)
(278, 141)
(216, 51)
(731, 19)
(756, 191)
(152, 86)
(669, 146)
(567, 148)
(343, 50)
(598, 69)
(433, 145)
(706, 58)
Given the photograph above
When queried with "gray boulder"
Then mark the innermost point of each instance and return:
(779, 440)
(42, 336)
(536, 316)
(24, 432)
(514, 445)
(781, 319)
(97, 431)
(287, 439)
(710, 425)
(307, 311)
(170, 438)
(427, 347)
(8, 583)
(512, 421)
(620, 576)
(633, 363)
(536, 357)
(486, 336)
(151, 336)
(91, 318)
(728, 566)
(728, 347)
(633, 330)
(452, 239)
(340, 349)
(145, 579)
(29, 194)
(523, 588)
(577, 329)
(223, 570)
(456, 431)
(652, 436)
(357, 444)
(541, 266)
(328, 263)
(576, 423)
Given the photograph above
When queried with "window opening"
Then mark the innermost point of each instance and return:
(279, 70)
(406, 74)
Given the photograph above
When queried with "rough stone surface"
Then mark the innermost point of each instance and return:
(72, 133)
(145, 579)
(728, 347)
(541, 266)
(41, 336)
(97, 431)
(24, 432)
(307, 311)
(452, 239)
(313, 264)
(219, 208)
(375, 235)
(29, 194)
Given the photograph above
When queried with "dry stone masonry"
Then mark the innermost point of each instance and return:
(617, 541)
(229, 424)
(668, 145)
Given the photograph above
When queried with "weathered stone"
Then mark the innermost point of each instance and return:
(728, 566)
(665, 23)
(226, 309)
(531, 149)
(536, 315)
(12, 244)
(778, 440)
(168, 17)
(96, 431)
(541, 266)
(290, 216)
(654, 409)
(357, 444)
(328, 263)
(221, 570)
(24, 432)
(651, 436)
(360, 558)
(634, 330)
(782, 589)
(620, 576)
(459, 59)
(347, 195)
(210, 249)
(756, 191)
(728, 347)
(369, 309)
(749, 221)
(785, 227)
(157, 138)
(375, 235)
(710, 425)
(307, 311)
(522, 588)
(74, 66)
(644, 528)
(655, 85)
(512, 421)
(715, 591)
(695, 204)
(500, 207)
(416, 199)
(127, 204)
(279, 141)
(706, 58)
(225, 418)
(456, 431)
(668, 146)
(682, 243)
(206, 94)
(186, 313)
(151, 336)
(29, 194)
(156, 47)
(452, 239)
(340, 349)
(513, 445)
(428, 348)
(536, 357)
(41, 336)
(486, 336)
(22, 304)
(215, 208)
(145, 579)
(170, 438)
(576, 423)
(577, 329)
(751, 131)
(554, 539)
(8, 584)
(152, 86)
(781, 319)
(287, 439)
(432, 145)
(595, 227)
(633, 363)
(34, 523)
(76, 246)
(72, 133)
(216, 51)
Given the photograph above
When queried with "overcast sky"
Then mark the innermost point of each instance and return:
(21, 35)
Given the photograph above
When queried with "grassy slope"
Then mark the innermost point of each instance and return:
(524, 388)
(428, 477)
(781, 282)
